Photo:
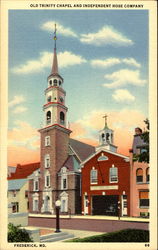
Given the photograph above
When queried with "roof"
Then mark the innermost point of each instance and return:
(72, 164)
(16, 184)
(81, 149)
(22, 171)
(126, 158)
(138, 142)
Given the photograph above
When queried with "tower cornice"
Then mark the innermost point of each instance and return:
(55, 126)
(54, 104)
(55, 87)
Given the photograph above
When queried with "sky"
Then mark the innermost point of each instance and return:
(103, 58)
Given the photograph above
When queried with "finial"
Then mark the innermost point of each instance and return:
(55, 37)
(105, 116)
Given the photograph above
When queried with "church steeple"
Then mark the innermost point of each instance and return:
(106, 138)
(55, 61)
(55, 109)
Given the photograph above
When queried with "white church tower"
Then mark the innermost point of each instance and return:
(106, 138)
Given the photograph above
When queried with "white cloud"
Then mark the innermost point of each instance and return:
(121, 95)
(16, 100)
(124, 77)
(109, 62)
(19, 109)
(65, 59)
(106, 36)
(131, 61)
(49, 26)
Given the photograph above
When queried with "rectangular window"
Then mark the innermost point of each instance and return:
(139, 179)
(94, 176)
(144, 203)
(36, 185)
(47, 181)
(47, 161)
(15, 207)
(148, 178)
(64, 183)
(47, 141)
(143, 199)
(113, 175)
(35, 205)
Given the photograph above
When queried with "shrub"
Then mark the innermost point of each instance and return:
(16, 234)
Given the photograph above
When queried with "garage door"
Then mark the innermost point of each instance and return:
(105, 205)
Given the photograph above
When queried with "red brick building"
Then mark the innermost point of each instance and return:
(106, 179)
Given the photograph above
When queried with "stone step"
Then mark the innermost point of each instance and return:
(56, 237)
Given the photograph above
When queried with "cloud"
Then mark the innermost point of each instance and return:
(121, 95)
(49, 26)
(19, 109)
(109, 62)
(122, 122)
(65, 59)
(124, 77)
(106, 36)
(23, 135)
(16, 100)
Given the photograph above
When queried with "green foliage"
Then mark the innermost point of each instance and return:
(126, 235)
(15, 234)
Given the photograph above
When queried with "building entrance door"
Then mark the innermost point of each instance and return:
(105, 205)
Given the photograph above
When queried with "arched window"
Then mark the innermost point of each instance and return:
(48, 117)
(50, 83)
(94, 176)
(139, 175)
(55, 82)
(62, 118)
(47, 179)
(107, 137)
(147, 175)
(47, 161)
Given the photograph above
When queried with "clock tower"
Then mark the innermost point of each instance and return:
(54, 136)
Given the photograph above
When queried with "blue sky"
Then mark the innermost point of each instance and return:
(103, 58)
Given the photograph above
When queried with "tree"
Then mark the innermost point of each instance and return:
(16, 234)
(144, 149)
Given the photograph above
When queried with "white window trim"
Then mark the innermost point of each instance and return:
(113, 175)
(94, 182)
(64, 177)
(47, 141)
(45, 180)
(47, 157)
(34, 185)
(34, 208)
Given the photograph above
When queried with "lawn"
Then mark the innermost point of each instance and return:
(126, 235)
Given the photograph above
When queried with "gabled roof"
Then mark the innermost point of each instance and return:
(126, 158)
(16, 184)
(81, 149)
(72, 164)
(22, 171)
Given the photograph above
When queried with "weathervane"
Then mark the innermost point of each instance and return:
(105, 116)
(55, 37)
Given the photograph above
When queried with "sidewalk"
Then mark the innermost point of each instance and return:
(76, 233)
(93, 217)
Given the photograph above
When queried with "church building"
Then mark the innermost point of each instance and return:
(59, 175)
(106, 179)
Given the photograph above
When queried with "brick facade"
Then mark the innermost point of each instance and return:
(104, 187)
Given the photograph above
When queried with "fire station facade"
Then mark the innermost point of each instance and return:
(106, 179)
